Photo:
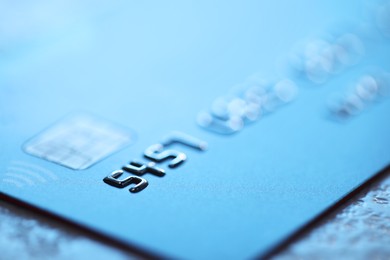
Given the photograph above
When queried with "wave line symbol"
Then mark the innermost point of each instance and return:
(20, 174)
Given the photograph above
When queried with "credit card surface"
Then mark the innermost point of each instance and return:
(197, 130)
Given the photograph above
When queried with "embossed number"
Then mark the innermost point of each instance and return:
(113, 180)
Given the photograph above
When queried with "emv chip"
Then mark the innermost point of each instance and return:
(79, 141)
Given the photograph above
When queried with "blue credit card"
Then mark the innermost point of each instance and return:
(198, 130)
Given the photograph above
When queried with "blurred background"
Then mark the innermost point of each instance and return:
(359, 229)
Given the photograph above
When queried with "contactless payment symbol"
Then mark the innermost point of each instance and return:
(21, 174)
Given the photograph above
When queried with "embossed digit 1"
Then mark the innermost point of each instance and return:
(156, 152)
(184, 139)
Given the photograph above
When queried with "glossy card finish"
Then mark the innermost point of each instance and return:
(242, 132)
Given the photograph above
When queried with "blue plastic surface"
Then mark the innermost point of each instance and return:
(152, 68)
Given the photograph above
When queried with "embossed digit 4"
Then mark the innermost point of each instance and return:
(140, 169)
(155, 153)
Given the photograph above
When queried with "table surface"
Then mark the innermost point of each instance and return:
(357, 229)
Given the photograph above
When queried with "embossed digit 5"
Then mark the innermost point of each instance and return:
(113, 180)
(156, 153)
